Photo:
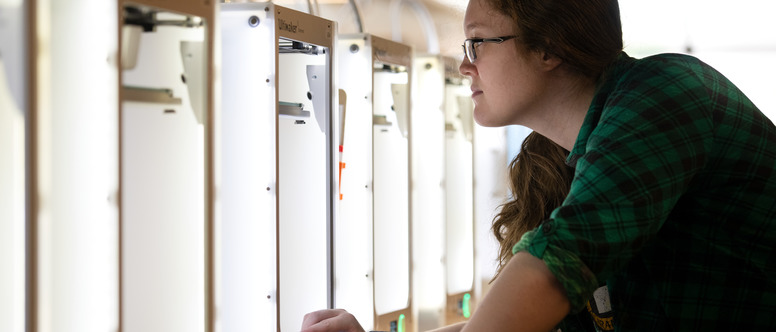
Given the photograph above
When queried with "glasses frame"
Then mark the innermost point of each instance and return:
(470, 44)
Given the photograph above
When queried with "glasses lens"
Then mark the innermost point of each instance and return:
(468, 48)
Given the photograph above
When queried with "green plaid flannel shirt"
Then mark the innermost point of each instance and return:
(673, 203)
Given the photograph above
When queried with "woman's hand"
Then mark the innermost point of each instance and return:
(330, 320)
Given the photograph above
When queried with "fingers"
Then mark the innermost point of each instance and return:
(330, 320)
(320, 315)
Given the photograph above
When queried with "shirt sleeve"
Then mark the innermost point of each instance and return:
(570, 271)
(650, 141)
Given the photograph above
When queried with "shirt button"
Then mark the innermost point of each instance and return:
(547, 228)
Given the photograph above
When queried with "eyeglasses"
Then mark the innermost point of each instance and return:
(470, 44)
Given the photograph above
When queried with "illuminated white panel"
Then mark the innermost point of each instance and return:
(77, 90)
(490, 164)
(303, 196)
(12, 171)
(460, 232)
(460, 196)
(248, 233)
(163, 192)
(391, 200)
(353, 229)
(12, 226)
(428, 195)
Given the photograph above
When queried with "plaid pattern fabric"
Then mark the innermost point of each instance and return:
(673, 204)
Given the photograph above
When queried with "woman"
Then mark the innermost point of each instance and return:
(674, 197)
(673, 202)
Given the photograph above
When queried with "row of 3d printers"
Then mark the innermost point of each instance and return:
(396, 132)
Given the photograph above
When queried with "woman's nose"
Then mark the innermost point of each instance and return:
(466, 68)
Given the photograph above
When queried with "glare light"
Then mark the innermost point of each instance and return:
(465, 305)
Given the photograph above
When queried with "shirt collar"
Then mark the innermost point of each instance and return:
(607, 82)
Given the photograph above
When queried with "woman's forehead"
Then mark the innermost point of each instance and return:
(481, 16)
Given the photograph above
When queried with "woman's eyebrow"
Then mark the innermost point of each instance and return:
(472, 25)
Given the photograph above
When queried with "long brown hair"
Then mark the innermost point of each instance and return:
(586, 35)
(539, 181)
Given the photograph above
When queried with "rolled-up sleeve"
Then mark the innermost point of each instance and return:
(577, 280)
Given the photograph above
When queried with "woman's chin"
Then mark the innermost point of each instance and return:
(484, 120)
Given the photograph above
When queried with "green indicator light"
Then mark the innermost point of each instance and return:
(465, 305)
(401, 323)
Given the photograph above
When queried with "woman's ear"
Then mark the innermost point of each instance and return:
(550, 61)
